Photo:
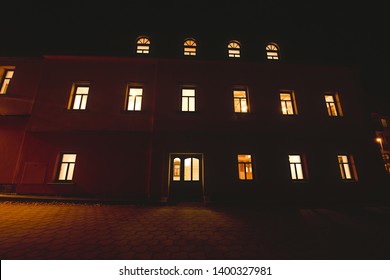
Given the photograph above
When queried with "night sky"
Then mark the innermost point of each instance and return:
(319, 33)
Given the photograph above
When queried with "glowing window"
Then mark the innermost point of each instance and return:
(347, 167)
(188, 100)
(66, 167)
(383, 122)
(5, 81)
(190, 47)
(143, 45)
(272, 51)
(245, 167)
(287, 103)
(176, 169)
(296, 167)
(234, 49)
(333, 105)
(79, 97)
(240, 101)
(191, 169)
(134, 99)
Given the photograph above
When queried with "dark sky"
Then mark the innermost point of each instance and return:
(321, 32)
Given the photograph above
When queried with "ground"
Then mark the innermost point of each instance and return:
(64, 230)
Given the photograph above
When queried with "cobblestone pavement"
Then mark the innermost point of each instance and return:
(36, 230)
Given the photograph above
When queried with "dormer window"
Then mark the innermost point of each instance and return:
(272, 50)
(143, 45)
(234, 49)
(190, 47)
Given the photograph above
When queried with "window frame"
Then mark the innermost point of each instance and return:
(303, 168)
(234, 49)
(190, 49)
(272, 54)
(336, 104)
(244, 165)
(140, 97)
(3, 85)
(61, 162)
(74, 94)
(240, 100)
(350, 163)
(143, 45)
(292, 100)
(187, 100)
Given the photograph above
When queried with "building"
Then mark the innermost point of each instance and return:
(143, 127)
(382, 137)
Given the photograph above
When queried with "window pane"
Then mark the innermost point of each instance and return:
(187, 169)
(299, 171)
(237, 107)
(135, 91)
(83, 102)
(63, 169)
(293, 173)
(188, 92)
(347, 171)
(77, 102)
(244, 107)
(195, 169)
(130, 105)
(290, 110)
(248, 170)
(192, 104)
(4, 86)
(69, 158)
(241, 171)
(329, 98)
(176, 169)
(285, 96)
(244, 158)
(82, 90)
(138, 102)
(294, 158)
(70, 171)
(239, 93)
(9, 74)
(184, 104)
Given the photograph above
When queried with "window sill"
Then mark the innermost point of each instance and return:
(61, 183)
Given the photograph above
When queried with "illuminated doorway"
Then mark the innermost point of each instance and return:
(186, 177)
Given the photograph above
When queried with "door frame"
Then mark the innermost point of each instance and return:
(172, 156)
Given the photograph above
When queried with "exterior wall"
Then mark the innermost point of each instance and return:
(127, 154)
(15, 108)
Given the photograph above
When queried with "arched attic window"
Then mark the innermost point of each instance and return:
(143, 45)
(272, 50)
(234, 49)
(189, 47)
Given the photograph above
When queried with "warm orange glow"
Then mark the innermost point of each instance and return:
(8, 74)
(379, 140)
(245, 167)
(79, 97)
(234, 49)
(347, 167)
(190, 47)
(240, 101)
(67, 166)
(296, 167)
(143, 44)
(287, 103)
(272, 51)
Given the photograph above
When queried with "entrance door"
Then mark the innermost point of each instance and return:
(186, 177)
